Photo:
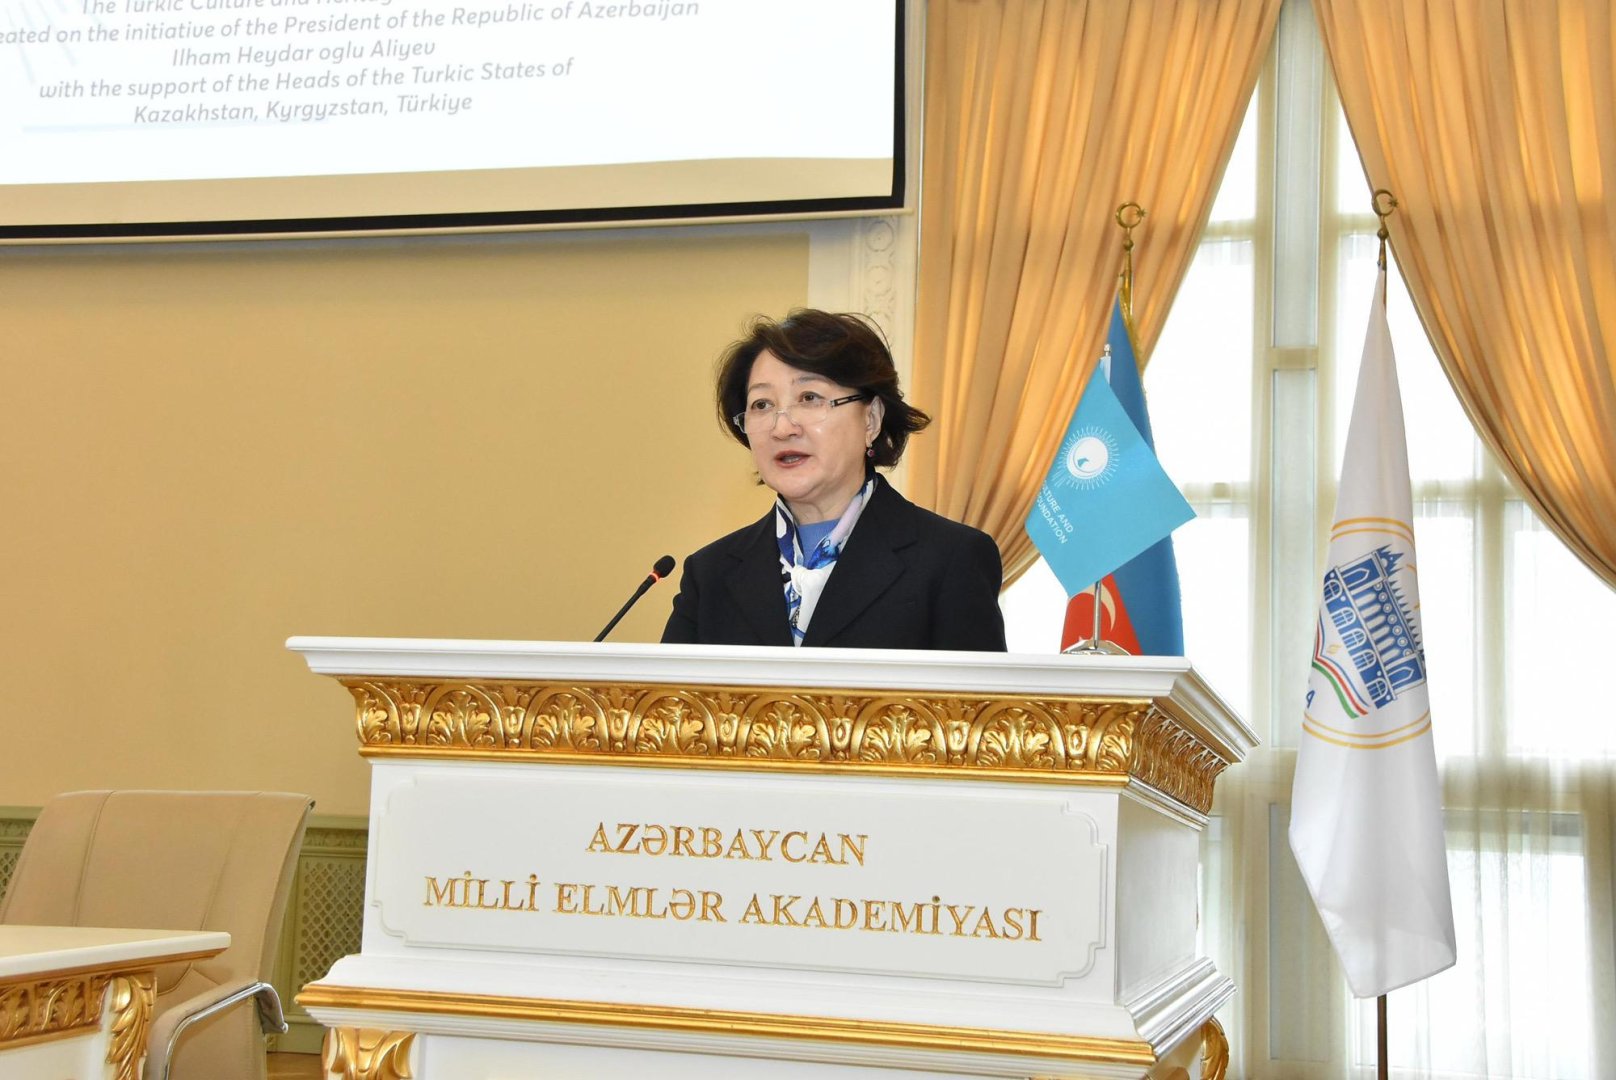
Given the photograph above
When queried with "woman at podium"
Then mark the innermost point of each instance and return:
(842, 559)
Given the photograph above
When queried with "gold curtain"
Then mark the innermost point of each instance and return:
(1042, 116)
(1494, 124)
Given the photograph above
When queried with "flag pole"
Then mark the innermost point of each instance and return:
(1367, 793)
(1382, 1057)
(1095, 642)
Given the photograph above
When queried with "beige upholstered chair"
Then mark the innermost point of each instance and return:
(174, 860)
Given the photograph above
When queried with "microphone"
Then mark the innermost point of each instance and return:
(663, 567)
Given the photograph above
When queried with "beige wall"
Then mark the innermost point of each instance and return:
(209, 448)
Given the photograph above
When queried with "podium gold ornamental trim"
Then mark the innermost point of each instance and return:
(1064, 1048)
(1047, 739)
(367, 1054)
(1214, 1051)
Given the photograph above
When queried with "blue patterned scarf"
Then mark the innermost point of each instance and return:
(803, 574)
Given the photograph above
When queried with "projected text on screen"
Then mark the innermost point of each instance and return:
(98, 92)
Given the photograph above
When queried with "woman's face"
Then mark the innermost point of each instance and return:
(816, 465)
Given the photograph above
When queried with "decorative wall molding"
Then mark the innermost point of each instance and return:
(879, 271)
(868, 265)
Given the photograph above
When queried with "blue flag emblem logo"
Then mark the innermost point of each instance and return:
(1090, 455)
(1372, 622)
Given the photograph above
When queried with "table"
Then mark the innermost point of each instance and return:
(76, 1001)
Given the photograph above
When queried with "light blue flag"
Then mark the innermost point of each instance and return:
(1140, 597)
(1105, 498)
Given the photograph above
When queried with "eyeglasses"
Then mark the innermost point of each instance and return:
(809, 409)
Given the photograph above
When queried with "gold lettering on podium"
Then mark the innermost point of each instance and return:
(708, 842)
(489, 894)
(876, 915)
(639, 902)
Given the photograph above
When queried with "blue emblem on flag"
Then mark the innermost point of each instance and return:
(1373, 621)
(1090, 455)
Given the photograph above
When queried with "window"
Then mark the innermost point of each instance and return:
(1250, 388)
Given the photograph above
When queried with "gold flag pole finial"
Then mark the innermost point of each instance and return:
(1129, 216)
(1383, 214)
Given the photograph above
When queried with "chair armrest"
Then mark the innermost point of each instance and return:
(167, 1029)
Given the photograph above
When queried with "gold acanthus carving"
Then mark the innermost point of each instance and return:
(1170, 758)
(41, 1009)
(367, 1054)
(132, 999)
(746, 726)
(1214, 1051)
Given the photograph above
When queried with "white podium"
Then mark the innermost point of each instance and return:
(681, 861)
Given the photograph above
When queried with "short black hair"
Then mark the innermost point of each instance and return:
(846, 349)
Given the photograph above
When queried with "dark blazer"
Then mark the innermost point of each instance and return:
(907, 579)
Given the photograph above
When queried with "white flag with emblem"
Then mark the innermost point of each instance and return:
(1366, 808)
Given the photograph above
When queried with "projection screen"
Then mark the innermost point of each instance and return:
(173, 118)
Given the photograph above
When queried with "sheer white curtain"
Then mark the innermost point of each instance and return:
(1249, 392)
